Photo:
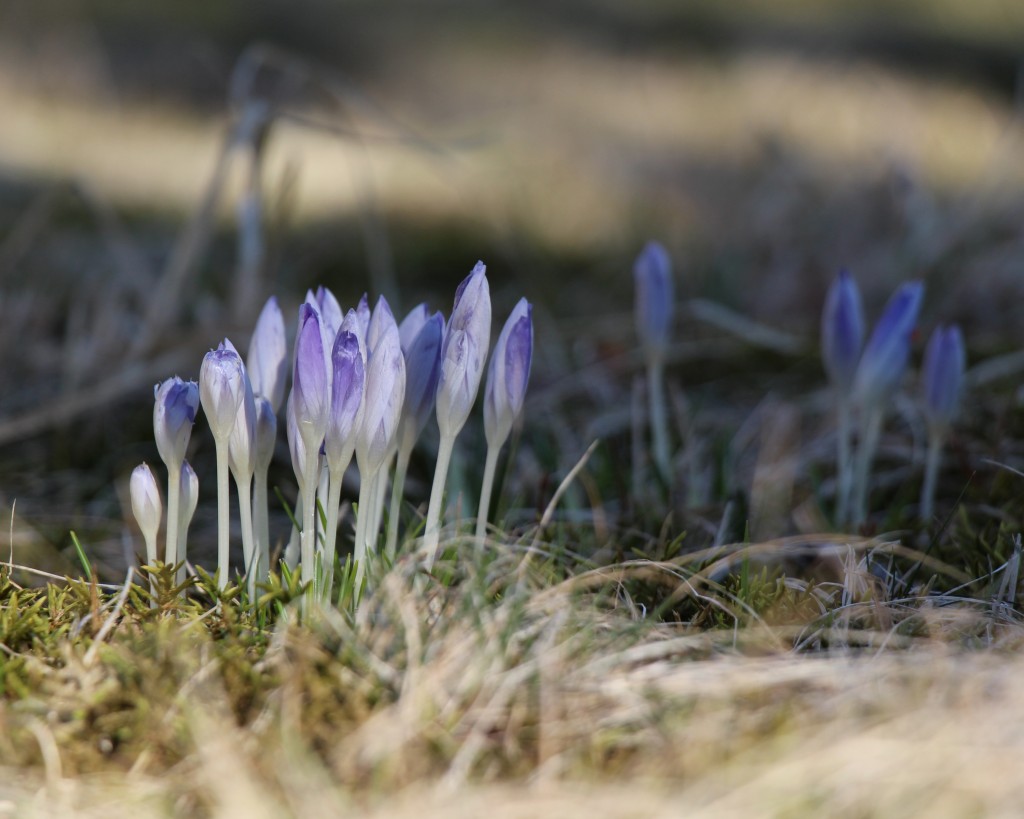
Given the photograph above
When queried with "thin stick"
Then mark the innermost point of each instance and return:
(394, 512)
(223, 515)
(490, 466)
(433, 530)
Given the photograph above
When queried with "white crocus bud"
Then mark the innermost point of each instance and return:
(147, 507)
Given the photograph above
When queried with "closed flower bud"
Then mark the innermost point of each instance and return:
(842, 331)
(296, 446)
(363, 315)
(422, 371)
(266, 433)
(189, 497)
(381, 321)
(174, 412)
(221, 389)
(330, 311)
(887, 352)
(944, 363)
(411, 325)
(242, 442)
(268, 355)
(464, 351)
(346, 395)
(652, 276)
(310, 381)
(382, 404)
(146, 504)
(508, 374)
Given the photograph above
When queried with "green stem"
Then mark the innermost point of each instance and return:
(844, 469)
(331, 539)
(380, 492)
(659, 418)
(490, 466)
(308, 537)
(432, 535)
(871, 430)
(365, 511)
(397, 488)
(223, 515)
(931, 475)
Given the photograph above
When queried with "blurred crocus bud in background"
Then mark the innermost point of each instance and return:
(887, 352)
(310, 395)
(381, 321)
(508, 374)
(464, 352)
(842, 331)
(147, 507)
(330, 311)
(652, 275)
(346, 396)
(174, 412)
(943, 376)
(382, 405)
(268, 355)
(411, 325)
(221, 390)
(422, 371)
(266, 432)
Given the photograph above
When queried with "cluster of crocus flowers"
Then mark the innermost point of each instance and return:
(363, 387)
(866, 381)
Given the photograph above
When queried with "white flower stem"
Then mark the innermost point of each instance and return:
(172, 554)
(308, 538)
(659, 418)
(395, 510)
(380, 492)
(844, 469)
(931, 476)
(223, 515)
(871, 429)
(261, 521)
(248, 541)
(433, 530)
(367, 484)
(331, 539)
(490, 467)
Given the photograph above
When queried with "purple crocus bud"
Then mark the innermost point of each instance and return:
(189, 494)
(944, 363)
(310, 379)
(842, 330)
(296, 447)
(463, 352)
(422, 371)
(146, 506)
(174, 412)
(221, 390)
(268, 355)
(381, 320)
(330, 311)
(508, 373)
(888, 349)
(242, 442)
(363, 314)
(410, 326)
(382, 404)
(652, 275)
(346, 395)
(266, 433)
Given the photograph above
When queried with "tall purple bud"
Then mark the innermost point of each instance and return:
(363, 314)
(464, 352)
(346, 396)
(174, 412)
(330, 310)
(268, 355)
(221, 390)
(411, 325)
(508, 374)
(887, 352)
(382, 406)
(422, 369)
(944, 364)
(842, 331)
(654, 299)
(381, 320)
(310, 379)
(242, 442)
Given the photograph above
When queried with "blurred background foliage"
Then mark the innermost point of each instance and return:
(765, 144)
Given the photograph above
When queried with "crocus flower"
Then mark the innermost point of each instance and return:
(189, 501)
(411, 325)
(944, 363)
(887, 352)
(310, 379)
(363, 314)
(221, 389)
(268, 355)
(842, 331)
(242, 441)
(652, 275)
(346, 396)
(147, 507)
(508, 373)
(381, 319)
(174, 412)
(330, 310)
(463, 352)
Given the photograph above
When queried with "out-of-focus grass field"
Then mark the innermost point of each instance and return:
(766, 145)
